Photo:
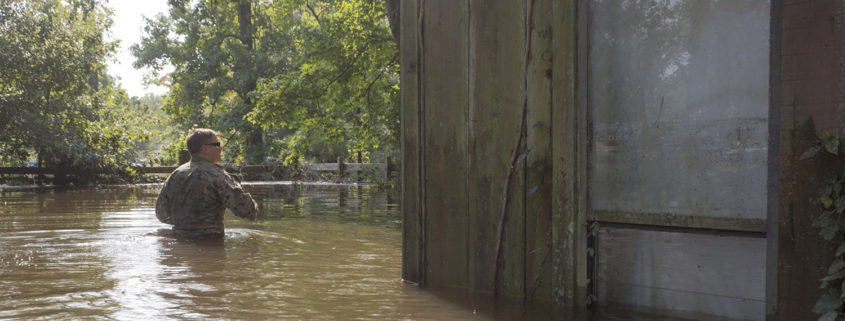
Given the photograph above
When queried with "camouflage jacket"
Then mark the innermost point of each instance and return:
(196, 195)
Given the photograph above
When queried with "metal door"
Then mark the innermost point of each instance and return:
(676, 101)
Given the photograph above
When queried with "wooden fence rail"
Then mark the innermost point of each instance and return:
(341, 168)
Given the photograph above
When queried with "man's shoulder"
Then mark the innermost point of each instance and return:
(210, 167)
(183, 167)
(193, 168)
(209, 173)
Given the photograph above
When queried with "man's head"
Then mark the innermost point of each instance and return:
(203, 142)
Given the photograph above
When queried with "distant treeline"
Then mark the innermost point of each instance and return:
(287, 80)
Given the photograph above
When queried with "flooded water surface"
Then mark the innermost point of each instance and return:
(319, 253)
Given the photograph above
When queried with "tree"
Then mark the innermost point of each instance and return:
(219, 51)
(164, 141)
(55, 99)
(285, 76)
(344, 85)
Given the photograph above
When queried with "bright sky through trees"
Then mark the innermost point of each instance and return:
(128, 28)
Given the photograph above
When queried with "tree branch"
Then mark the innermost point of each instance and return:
(370, 89)
(313, 13)
(346, 69)
(370, 85)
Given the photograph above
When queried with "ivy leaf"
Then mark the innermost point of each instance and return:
(829, 316)
(825, 219)
(827, 189)
(840, 250)
(826, 201)
(828, 302)
(836, 266)
(811, 152)
(831, 143)
(829, 232)
(840, 205)
(833, 277)
(843, 288)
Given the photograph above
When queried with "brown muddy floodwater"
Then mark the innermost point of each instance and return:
(320, 253)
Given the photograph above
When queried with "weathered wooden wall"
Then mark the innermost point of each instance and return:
(467, 77)
(811, 97)
(478, 101)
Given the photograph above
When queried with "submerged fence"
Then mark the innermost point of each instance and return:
(342, 169)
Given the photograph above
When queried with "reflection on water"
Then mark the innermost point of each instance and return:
(320, 252)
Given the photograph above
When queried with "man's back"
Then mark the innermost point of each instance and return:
(195, 197)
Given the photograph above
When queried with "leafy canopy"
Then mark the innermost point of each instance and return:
(56, 102)
(292, 78)
(344, 84)
(219, 50)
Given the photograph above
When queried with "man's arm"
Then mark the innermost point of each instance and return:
(238, 201)
(162, 206)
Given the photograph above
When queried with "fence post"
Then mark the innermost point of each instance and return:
(358, 173)
(340, 167)
(387, 165)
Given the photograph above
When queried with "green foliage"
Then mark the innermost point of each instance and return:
(344, 83)
(164, 139)
(219, 50)
(57, 105)
(828, 142)
(831, 223)
(323, 75)
(293, 79)
(49, 53)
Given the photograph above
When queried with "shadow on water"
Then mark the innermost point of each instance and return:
(325, 202)
(319, 252)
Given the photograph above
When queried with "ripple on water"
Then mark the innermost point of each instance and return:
(320, 252)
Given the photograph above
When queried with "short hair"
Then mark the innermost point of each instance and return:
(197, 137)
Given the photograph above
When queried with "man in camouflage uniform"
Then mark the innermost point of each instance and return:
(197, 193)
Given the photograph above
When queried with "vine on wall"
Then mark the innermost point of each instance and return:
(831, 221)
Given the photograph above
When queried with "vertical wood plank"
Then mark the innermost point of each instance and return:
(538, 182)
(410, 142)
(581, 138)
(512, 280)
(568, 226)
(496, 64)
(776, 27)
(444, 137)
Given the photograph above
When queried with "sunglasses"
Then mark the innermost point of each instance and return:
(214, 144)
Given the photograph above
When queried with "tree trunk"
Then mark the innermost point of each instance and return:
(245, 24)
(254, 144)
(254, 148)
(392, 10)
